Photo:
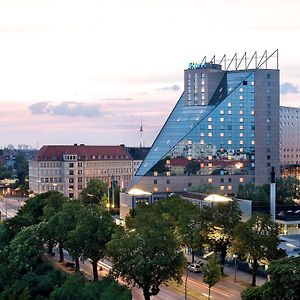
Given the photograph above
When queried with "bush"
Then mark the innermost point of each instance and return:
(252, 293)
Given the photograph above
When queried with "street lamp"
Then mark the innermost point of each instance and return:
(235, 257)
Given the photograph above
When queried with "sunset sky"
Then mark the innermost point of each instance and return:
(87, 71)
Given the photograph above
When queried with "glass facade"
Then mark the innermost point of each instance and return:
(213, 139)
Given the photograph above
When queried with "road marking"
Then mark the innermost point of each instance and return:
(217, 290)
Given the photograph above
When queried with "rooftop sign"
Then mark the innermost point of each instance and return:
(197, 65)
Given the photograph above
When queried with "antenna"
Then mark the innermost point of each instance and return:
(141, 134)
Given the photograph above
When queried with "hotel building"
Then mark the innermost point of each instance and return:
(223, 131)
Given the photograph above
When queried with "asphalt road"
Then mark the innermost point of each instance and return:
(225, 289)
(11, 205)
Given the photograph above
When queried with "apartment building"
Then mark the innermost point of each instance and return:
(68, 168)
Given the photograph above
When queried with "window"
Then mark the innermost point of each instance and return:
(229, 187)
(221, 112)
(229, 142)
(209, 127)
(155, 189)
(209, 180)
(241, 112)
(221, 119)
(71, 172)
(168, 181)
(245, 82)
(221, 134)
(241, 120)
(209, 119)
(222, 187)
(241, 90)
(241, 179)
(209, 134)
(229, 104)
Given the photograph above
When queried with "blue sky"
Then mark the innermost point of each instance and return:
(87, 71)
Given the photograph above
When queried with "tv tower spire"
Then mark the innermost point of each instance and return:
(141, 134)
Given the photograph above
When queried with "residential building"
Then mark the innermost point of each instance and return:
(68, 168)
(223, 131)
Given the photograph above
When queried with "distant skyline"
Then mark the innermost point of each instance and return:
(87, 71)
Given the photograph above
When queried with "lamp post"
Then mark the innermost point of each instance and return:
(235, 257)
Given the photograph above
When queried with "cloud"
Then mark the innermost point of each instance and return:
(71, 109)
(118, 99)
(288, 88)
(39, 108)
(174, 88)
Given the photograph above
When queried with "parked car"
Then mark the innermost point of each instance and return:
(195, 267)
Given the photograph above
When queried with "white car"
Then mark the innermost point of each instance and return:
(195, 267)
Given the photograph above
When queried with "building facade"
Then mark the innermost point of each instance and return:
(68, 169)
(289, 135)
(223, 131)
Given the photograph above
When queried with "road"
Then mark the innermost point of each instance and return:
(225, 289)
(10, 204)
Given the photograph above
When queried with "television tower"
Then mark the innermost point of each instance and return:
(141, 134)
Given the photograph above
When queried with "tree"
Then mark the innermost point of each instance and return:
(94, 229)
(190, 227)
(148, 254)
(224, 218)
(76, 288)
(21, 167)
(211, 273)
(256, 239)
(67, 220)
(284, 282)
(258, 194)
(192, 168)
(287, 189)
(25, 250)
(94, 191)
(204, 189)
(53, 206)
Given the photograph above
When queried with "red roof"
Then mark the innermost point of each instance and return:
(179, 162)
(83, 152)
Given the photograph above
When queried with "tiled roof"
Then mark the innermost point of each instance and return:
(83, 152)
(179, 162)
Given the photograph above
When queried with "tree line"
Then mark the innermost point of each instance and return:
(147, 252)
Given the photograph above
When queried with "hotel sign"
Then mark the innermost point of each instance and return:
(197, 65)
